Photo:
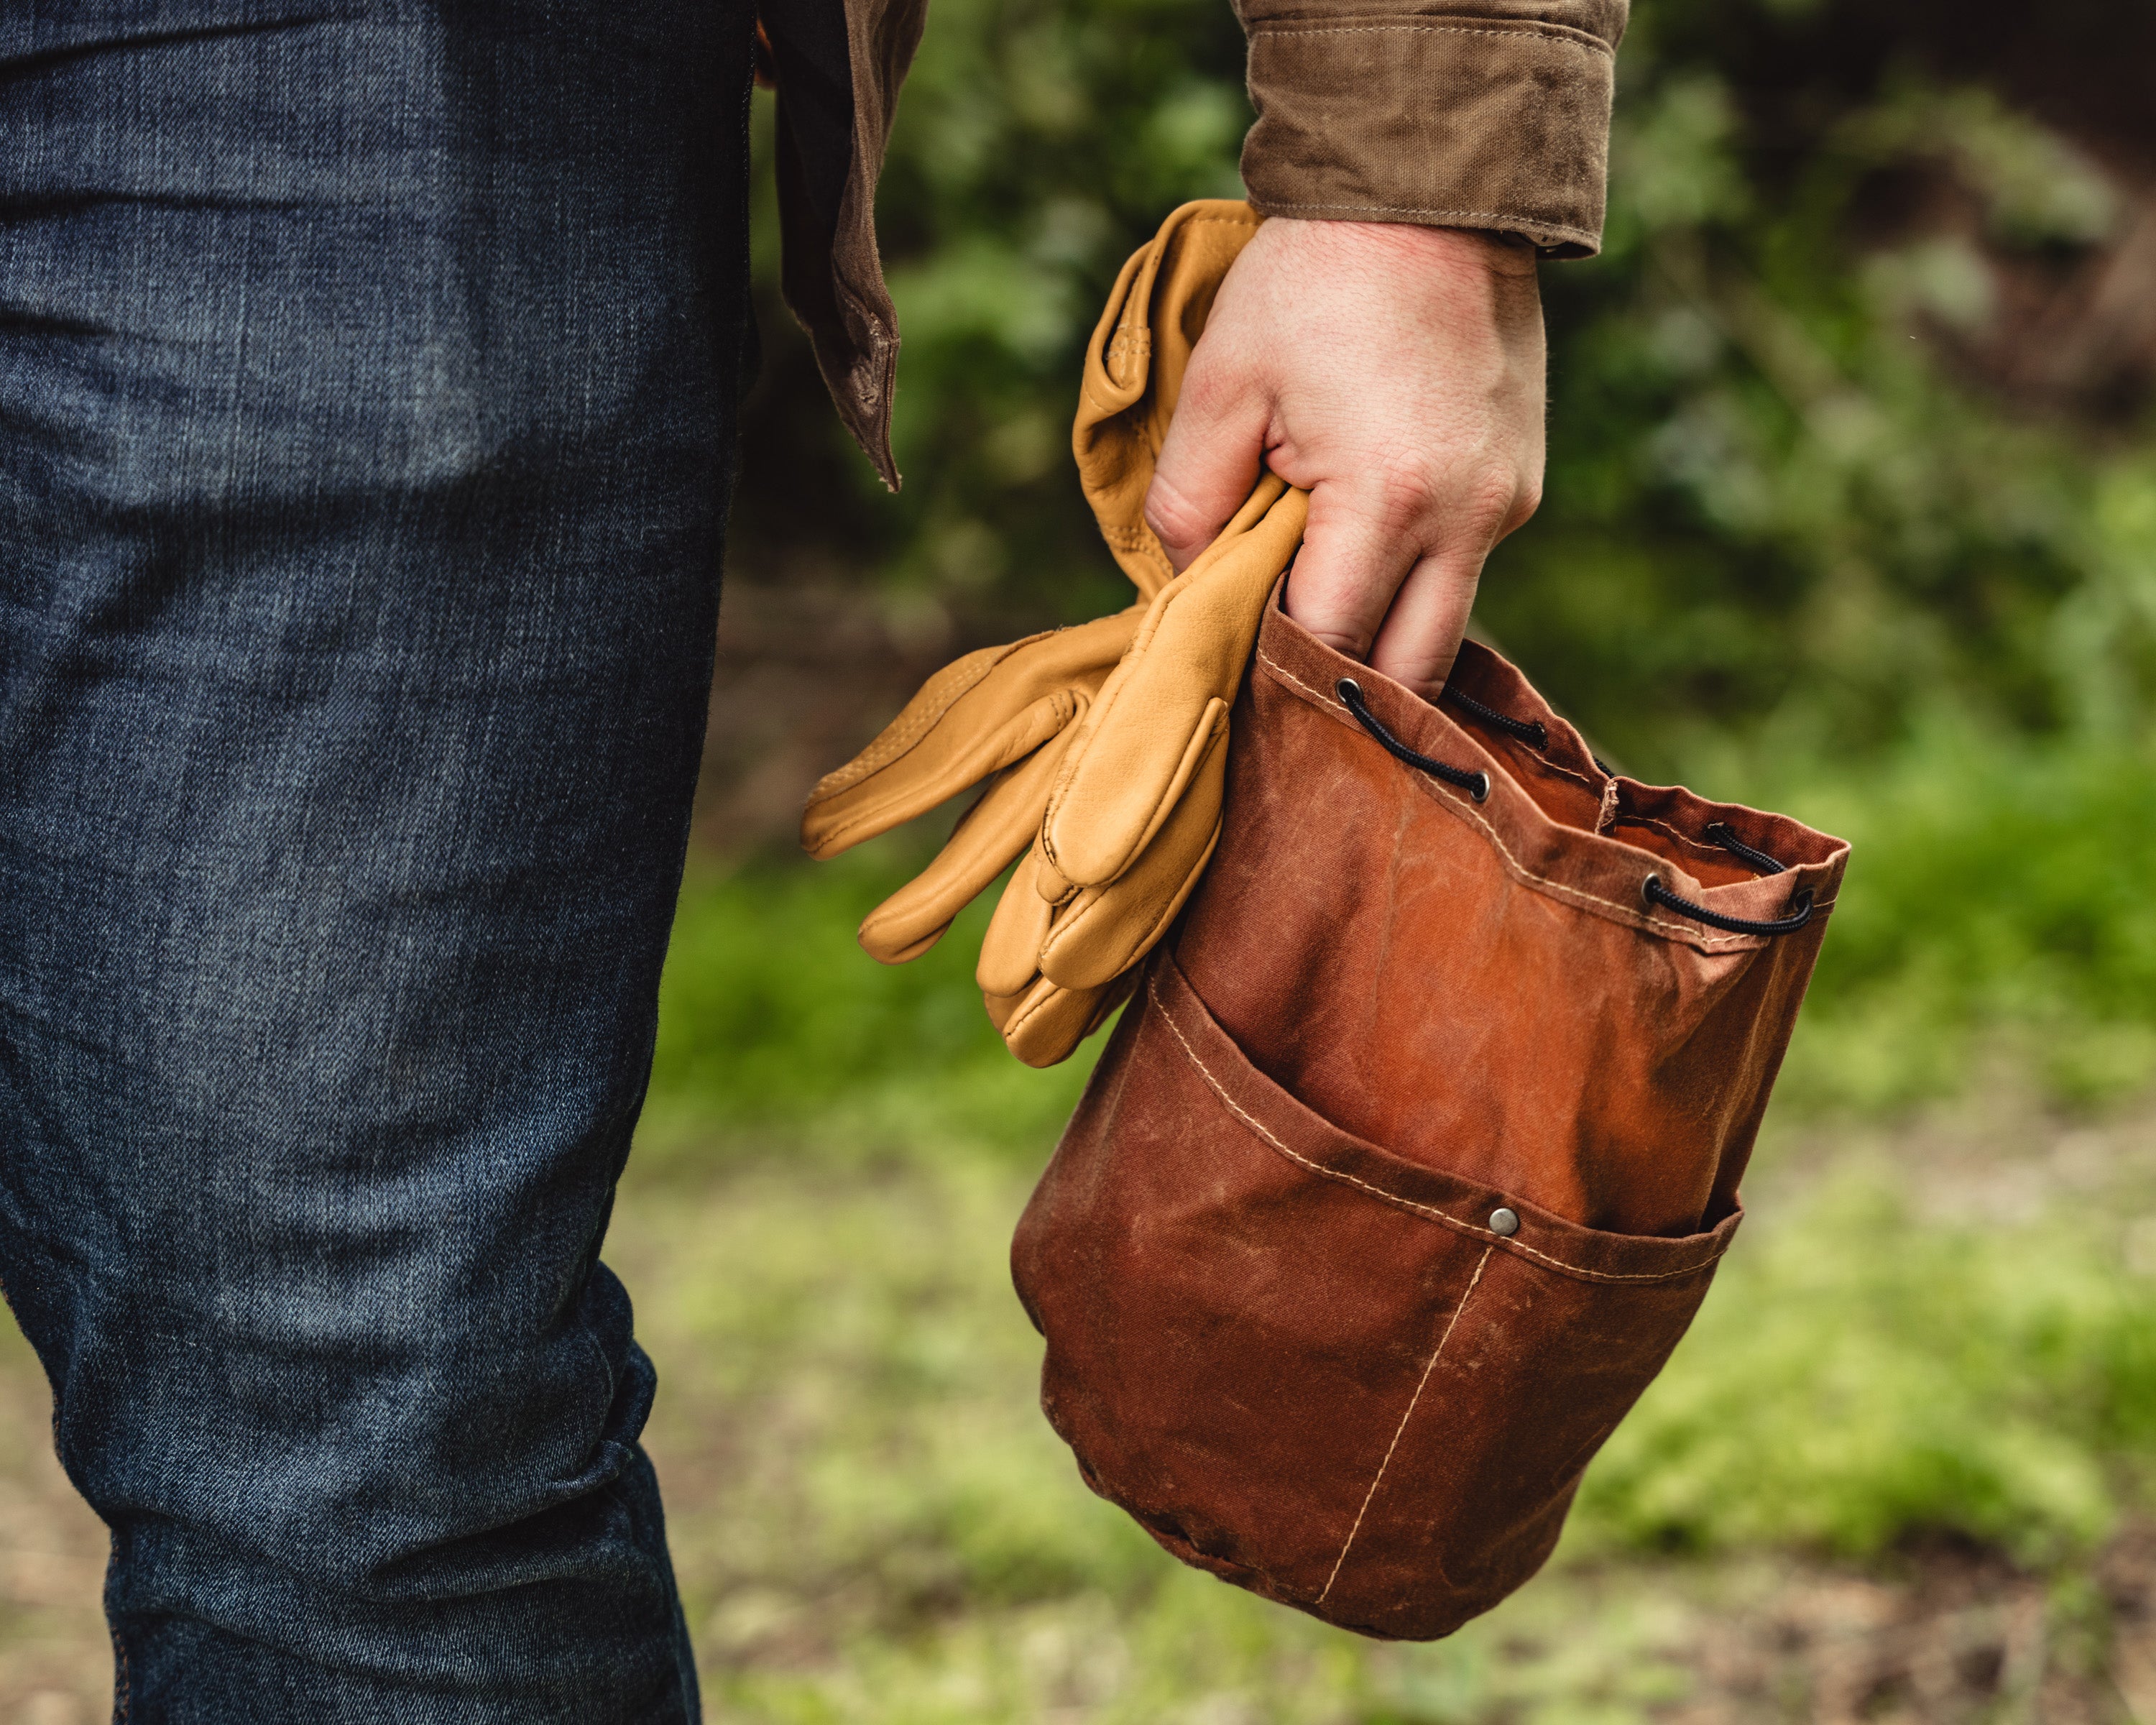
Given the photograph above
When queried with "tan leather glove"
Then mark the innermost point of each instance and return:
(1135, 810)
(1005, 713)
(1112, 768)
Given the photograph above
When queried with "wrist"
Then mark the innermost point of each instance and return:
(1413, 246)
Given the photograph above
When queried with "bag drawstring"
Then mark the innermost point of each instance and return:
(1475, 785)
(1718, 833)
(1534, 733)
(1531, 731)
(1800, 911)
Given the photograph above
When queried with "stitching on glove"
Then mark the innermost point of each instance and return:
(1025, 1015)
(1086, 381)
(1063, 704)
(1069, 925)
(894, 742)
(1459, 1226)
(1104, 707)
(1210, 733)
(1154, 816)
(1519, 871)
(1142, 543)
(1130, 346)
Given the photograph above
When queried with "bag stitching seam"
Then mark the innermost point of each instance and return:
(1510, 1245)
(1414, 1402)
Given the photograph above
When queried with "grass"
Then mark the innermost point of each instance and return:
(1861, 1375)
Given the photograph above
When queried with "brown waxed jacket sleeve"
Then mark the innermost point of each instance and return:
(1490, 114)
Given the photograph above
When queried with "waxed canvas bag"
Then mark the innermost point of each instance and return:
(1416, 1149)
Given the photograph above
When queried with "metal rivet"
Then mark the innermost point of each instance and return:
(1504, 1223)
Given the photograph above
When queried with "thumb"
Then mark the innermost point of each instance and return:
(1208, 462)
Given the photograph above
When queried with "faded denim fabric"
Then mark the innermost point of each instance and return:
(367, 387)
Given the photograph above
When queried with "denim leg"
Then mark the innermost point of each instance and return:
(368, 378)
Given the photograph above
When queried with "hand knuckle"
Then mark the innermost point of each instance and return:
(1498, 496)
(1405, 492)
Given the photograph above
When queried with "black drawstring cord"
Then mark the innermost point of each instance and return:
(1475, 785)
(1718, 833)
(1800, 911)
(1533, 731)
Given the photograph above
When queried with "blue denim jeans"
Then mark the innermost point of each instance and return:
(369, 372)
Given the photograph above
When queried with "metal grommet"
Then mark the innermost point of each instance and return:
(1480, 790)
(1348, 688)
(1647, 887)
(1504, 1223)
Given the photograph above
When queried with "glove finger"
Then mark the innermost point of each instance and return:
(995, 831)
(1136, 741)
(939, 735)
(1010, 951)
(1212, 726)
(1044, 1026)
(892, 799)
(1107, 929)
(930, 702)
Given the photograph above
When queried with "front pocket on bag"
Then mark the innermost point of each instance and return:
(1312, 1367)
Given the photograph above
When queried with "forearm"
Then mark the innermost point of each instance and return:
(1488, 114)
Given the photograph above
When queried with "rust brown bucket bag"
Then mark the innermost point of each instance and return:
(1418, 1146)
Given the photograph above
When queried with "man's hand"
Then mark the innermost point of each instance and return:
(1395, 373)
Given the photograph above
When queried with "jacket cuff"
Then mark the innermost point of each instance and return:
(1445, 119)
